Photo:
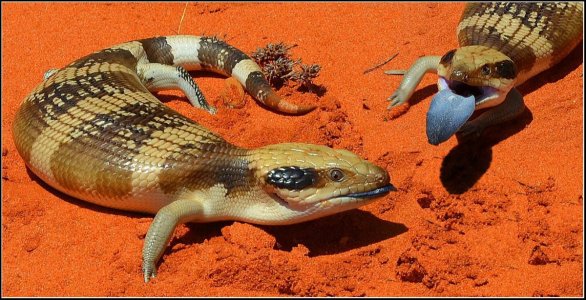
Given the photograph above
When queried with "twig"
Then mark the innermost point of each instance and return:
(381, 64)
(183, 15)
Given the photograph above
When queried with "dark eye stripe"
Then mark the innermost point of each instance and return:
(447, 58)
(292, 178)
(506, 69)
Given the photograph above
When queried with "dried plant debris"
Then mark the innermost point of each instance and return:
(279, 70)
(279, 67)
(306, 75)
(271, 52)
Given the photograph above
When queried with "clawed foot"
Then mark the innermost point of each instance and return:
(397, 98)
(411, 78)
(211, 109)
(149, 271)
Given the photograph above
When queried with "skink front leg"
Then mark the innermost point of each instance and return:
(158, 77)
(412, 78)
(161, 231)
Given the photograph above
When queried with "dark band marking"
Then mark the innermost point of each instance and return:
(258, 86)
(112, 56)
(91, 85)
(112, 179)
(158, 50)
(235, 175)
(58, 98)
(28, 125)
(549, 20)
(105, 135)
(213, 50)
(202, 165)
(530, 14)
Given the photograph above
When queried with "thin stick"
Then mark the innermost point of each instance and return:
(381, 64)
(183, 15)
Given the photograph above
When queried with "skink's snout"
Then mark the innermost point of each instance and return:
(459, 75)
(379, 174)
(385, 180)
(378, 182)
(447, 113)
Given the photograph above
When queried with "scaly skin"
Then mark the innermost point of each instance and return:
(501, 46)
(94, 131)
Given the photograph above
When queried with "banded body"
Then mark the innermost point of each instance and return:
(502, 44)
(94, 131)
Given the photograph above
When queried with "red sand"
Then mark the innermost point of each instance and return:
(512, 225)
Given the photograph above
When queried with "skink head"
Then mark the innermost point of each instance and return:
(470, 78)
(304, 176)
(478, 71)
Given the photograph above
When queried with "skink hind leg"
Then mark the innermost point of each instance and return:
(512, 107)
(161, 231)
(158, 77)
(412, 78)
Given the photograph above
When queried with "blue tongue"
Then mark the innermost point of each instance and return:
(447, 113)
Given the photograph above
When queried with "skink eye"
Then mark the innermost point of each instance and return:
(336, 175)
(292, 178)
(485, 70)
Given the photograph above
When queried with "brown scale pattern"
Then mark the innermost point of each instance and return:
(96, 110)
(525, 32)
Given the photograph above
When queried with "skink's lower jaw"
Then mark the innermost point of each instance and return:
(374, 193)
(344, 200)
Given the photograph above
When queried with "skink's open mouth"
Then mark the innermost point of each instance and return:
(374, 193)
(480, 93)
